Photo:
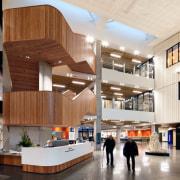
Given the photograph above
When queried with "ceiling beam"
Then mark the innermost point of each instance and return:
(101, 22)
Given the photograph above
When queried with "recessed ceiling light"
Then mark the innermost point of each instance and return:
(115, 55)
(137, 91)
(90, 39)
(105, 43)
(122, 48)
(78, 82)
(69, 75)
(115, 88)
(59, 61)
(118, 65)
(105, 81)
(103, 96)
(136, 52)
(149, 56)
(118, 94)
(121, 99)
(27, 57)
(59, 85)
(136, 61)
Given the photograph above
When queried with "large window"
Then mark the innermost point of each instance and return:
(173, 55)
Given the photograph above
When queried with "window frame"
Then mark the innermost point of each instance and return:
(177, 44)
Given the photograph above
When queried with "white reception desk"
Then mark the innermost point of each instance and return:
(54, 159)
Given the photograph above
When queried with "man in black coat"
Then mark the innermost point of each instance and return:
(130, 151)
(109, 144)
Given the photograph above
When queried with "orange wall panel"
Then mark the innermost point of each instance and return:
(135, 133)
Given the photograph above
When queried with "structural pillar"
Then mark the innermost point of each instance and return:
(118, 131)
(45, 76)
(97, 122)
(113, 101)
(76, 132)
(154, 128)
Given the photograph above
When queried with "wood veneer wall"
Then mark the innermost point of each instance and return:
(42, 33)
(44, 108)
(55, 169)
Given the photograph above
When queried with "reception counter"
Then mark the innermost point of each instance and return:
(10, 158)
(54, 159)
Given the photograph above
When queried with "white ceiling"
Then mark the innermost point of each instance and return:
(156, 17)
(132, 19)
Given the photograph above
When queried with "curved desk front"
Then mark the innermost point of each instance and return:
(54, 159)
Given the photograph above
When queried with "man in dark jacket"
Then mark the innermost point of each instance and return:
(109, 144)
(130, 150)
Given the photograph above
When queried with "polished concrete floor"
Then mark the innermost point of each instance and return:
(147, 168)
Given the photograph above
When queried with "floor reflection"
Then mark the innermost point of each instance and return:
(147, 168)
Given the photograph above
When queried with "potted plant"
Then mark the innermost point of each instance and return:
(26, 141)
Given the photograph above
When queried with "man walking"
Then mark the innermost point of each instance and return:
(130, 151)
(109, 144)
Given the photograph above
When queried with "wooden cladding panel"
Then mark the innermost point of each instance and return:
(42, 33)
(55, 169)
(66, 110)
(86, 102)
(69, 94)
(6, 107)
(29, 108)
(47, 108)
(58, 108)
(10, 160)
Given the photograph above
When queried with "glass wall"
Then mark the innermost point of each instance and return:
(146, 69)
(173, 55)
(85, 132)
(142, 102)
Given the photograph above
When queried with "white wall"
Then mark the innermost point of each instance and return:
(118, 114)
(167, 105)
(129, 80)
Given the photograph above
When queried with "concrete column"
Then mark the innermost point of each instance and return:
(147, 75)
(113, 101)
(174, 137)
(118, 131)
(6, 138)
(6, 86)
(76, 132)
(134, 70)
(124, 67)
(97, 122)
(45, 133)
(45, 76)
(154, 128)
